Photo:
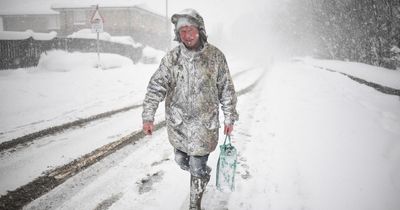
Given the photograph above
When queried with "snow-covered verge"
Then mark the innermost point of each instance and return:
(379, 75)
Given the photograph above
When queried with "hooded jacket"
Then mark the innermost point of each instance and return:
(193, 84)
(194, 15)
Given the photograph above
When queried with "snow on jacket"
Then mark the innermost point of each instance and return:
(193, 84)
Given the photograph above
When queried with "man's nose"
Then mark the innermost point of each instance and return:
(188, 36)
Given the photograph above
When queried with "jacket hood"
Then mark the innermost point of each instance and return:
(194, 15)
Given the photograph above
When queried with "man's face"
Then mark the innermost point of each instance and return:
(190, 36)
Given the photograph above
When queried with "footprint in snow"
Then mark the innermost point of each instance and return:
(145, 185)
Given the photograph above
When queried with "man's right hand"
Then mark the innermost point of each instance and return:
(148, 128)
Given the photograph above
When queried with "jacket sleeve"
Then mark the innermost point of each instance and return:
(156, 92)
(226, 93)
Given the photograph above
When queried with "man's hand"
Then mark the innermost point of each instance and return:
(228, 129)
(148, 128)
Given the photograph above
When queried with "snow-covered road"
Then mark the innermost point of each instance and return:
(307, 139)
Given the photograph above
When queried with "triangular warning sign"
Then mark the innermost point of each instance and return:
(96, 17)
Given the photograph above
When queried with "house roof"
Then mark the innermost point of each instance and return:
(74, 4)
(23, 7)
(33, 7)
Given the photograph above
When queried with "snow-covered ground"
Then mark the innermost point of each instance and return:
(319, 140)
(307, 138)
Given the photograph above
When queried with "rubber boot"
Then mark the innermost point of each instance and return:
(197, 187)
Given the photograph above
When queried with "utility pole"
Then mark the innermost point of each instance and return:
(167, 25)
(166, 9)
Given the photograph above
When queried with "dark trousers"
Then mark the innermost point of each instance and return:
(196, 165)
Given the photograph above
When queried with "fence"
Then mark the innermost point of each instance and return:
(26, 53)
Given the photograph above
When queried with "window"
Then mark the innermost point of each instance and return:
(79, 17)
(1, 24)
(53, 23)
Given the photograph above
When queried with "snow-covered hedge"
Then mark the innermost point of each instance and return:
(151, 55)
(88, 34)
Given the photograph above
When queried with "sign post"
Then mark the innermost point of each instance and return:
(97, 27)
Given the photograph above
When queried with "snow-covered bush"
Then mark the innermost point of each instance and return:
(125, 40)
(151, 55)
(62, 61)
(88, 34)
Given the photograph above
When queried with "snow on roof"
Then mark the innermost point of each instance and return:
(89, 3)
(74, 4)
(23, 7)
(20, 35)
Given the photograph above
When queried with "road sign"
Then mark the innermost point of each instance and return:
(97, 21)
(97, 27)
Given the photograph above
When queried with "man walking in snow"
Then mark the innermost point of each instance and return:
(194, 79)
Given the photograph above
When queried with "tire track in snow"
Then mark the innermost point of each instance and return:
(23, 195)
(378, 87)
(60, 128)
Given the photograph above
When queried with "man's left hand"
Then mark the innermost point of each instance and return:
(228, 129)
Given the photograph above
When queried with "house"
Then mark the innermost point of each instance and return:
(121, 18)
(1, 24)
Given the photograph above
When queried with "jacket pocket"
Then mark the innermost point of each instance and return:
(174, 118)
(211, 125)
(210, 120)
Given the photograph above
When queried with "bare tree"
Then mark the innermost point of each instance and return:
(363, 31)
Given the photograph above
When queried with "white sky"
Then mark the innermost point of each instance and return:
(230, 24)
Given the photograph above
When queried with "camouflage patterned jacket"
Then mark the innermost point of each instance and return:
(193, 85)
